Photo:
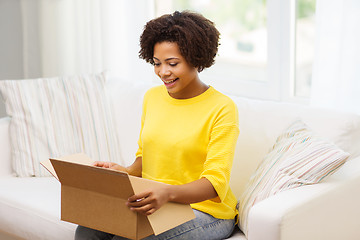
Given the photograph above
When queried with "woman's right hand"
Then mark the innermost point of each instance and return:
(110, 165)
(134, 169)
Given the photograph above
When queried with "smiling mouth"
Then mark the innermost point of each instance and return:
(168, 82)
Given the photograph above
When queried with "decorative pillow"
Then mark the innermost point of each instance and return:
(298, 158)
(52, 117)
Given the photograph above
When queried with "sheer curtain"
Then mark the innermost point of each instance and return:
(83, 36)
(336, 69)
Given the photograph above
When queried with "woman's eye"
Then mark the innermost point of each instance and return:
(173, 64)
(156, 64)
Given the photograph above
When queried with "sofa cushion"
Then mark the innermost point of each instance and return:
(52, 117)
(260, 123)
(30, 209)
(298, 158)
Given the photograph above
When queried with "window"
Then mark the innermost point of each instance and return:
(305, 38)
(259, 55)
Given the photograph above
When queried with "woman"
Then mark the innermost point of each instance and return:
(188, 131)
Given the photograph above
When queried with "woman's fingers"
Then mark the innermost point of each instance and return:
(138, 197)
(150, 201)
(142, 209)
(146, 209)
(151, 211)
(98, 164)
(108, 165)
(142, 203)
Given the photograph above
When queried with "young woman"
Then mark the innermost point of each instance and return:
(188, 131)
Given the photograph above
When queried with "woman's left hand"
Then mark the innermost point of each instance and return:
(149, 201)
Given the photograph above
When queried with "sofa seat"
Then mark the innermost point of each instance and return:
(34, 207)
(34, 204)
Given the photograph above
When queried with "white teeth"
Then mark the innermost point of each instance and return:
(170, 81)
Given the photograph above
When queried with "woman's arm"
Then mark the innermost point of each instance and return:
(134, 169)
(149, 201)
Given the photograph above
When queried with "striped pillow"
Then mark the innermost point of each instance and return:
(52, 117)
(298, 158)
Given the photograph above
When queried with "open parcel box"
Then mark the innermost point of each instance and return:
(95, 197)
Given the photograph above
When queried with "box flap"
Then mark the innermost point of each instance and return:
(98, 211)
(80, 158)
(101, 180)
(97, 186)
(144, 228)
(95, 197)
(168, 216)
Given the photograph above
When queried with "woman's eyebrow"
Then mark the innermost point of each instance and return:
(168, 59)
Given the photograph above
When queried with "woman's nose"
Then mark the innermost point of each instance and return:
(164, 71)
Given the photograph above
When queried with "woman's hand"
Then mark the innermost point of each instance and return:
(134, 169)
(110, 165)
(149, 201)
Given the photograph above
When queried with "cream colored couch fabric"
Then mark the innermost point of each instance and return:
(30, 207)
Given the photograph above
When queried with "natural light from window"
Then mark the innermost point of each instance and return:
(242, 24)
(305, 39)
(267, 47)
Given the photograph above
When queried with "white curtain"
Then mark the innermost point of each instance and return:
(65, 37)
(336, 69)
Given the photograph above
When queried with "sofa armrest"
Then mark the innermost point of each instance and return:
(5, 150)
(332, 215)
(328, 210)
(266, 217)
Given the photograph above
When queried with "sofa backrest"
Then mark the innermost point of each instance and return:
(127, 97)
(262, 121)
(260, 124)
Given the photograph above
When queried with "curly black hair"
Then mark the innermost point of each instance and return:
(196, 36)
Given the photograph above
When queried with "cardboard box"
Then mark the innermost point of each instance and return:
(95, 197)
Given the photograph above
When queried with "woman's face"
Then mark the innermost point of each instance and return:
(180, 78)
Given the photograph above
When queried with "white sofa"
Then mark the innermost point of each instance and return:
(30, 207)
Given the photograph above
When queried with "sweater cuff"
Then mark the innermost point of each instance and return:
(220, 188)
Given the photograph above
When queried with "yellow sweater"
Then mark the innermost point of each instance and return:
(183, 140)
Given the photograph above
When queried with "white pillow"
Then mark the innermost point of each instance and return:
(51, 117)
(298, 158)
